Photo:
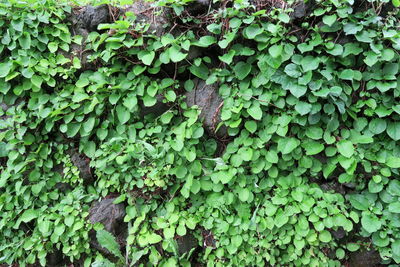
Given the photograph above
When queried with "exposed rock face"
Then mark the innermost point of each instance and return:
(339, 233)
(89, 18)
(82, 163)
(198, 7)
(159, 108)
(84, 21)
(186, 244)
(364, 258)
(206, 97)
(111, 216)
(147, 12)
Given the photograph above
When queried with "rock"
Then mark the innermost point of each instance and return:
(339, 233)
(335, 186)
(186, 243)
(83, 164)
(55, 259)
(159, 108)
(148, 13)
(267, 4)
(198, 7)
(206, 97)
(364, 258)
(300, 10)
(88, 18)
(111, 216)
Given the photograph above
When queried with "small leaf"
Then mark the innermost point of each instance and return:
(255, 111)
(29, 215)
(370, 222)
(345, 148)
(175, 54)
(147, 57)
(5, 68)
(107, 240)
(329, 20)
(287, 145)
(242, 69)
(122, 114)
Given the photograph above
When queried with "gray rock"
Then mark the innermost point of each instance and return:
(83, 164)
(89, 17)
(206, 97)
(364, 258)
(339, 233)
(147, 12)
(186, 243)
(159, 108)
(198, 7)
(333, 186)
(109, 214)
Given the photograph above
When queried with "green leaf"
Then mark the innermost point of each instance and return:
(205, 41)
(242, 69)
(37, 80)
(53, 46)
(396, 3)
(175, 54)
(25, 40)
(275, 50)
(396, 245)
(200, 71)
(284, 17)
(243, 194)
(29, 215)
(313, 147)
(359, 202)
(122, 114)
(345, 148)
(227, 58)
(394, 207)
(303, 108)
(393, 162)
(329, 20)
(17, 24)
(393, 130)
(153, 238)
(377, 125)
(287, 145)
(255, 111)
(252, 31)
(309, 63)
(251, 126)
(107, 240)
(147, 57)
(325, 236)
(370, 222)
(5, 68)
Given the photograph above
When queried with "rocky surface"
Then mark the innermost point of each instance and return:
(206, 97)
(83, 164)
(88, 18)
(186, 243)
(159, 108)
(364, 258)
(111, 216)
(146, 12)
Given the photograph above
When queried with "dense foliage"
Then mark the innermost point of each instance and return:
(312, 126)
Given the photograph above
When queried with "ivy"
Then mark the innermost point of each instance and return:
(257, 132)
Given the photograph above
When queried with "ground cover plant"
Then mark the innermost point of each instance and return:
(200, 133)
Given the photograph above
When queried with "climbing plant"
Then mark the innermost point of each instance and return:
(232, 133)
